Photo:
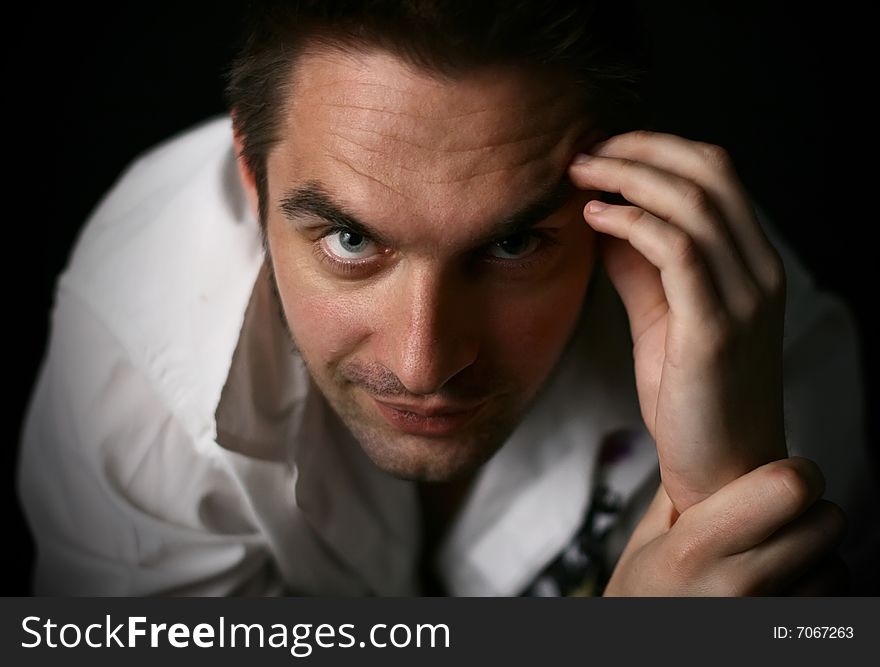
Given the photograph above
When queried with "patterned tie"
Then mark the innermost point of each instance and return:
(581, 569)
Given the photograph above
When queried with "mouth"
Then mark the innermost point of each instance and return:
(436, 419)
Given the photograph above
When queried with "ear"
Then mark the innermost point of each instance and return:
(245, 174)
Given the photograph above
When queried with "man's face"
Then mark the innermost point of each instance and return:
(428, 249)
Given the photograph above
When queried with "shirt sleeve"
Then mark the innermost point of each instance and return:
(825, 406)
(119, 498)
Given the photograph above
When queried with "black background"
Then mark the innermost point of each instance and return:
(86, 90)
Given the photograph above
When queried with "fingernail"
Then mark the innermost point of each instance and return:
(596, 206)
(582, 158)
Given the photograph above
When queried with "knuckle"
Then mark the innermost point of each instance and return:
(792, 484)
(697, 199)
(776, 277)
(754, 305)
(751, 305)
(797, 479)
(641, 136)
(717, 157)
(811, 472)
(633, 214)
(684, 248)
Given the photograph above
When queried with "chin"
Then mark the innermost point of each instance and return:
(429, 459)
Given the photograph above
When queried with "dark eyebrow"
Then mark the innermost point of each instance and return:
(548, 203)
(313, 199)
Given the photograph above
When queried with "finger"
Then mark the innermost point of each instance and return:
(794, 550)
(686, 284)
(711, 168)
(685, 205)
(656, 521)
(637, 281)
(746, 511)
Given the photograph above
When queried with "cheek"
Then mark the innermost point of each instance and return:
(531, 327)
(327, 322)
(326, 328)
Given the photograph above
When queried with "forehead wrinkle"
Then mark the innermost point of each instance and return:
(502, 157)
(349, 93)
(351, 73)
(408, 150)
(466, 174)
(385, 185)
(533, 134)
(443, 149)
(478, 174)
(408, 114)
(406, 106)
(375, 150)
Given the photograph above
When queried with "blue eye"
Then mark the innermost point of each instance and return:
(346, 244)
(515, 247)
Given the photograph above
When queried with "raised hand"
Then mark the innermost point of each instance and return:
(704, 291)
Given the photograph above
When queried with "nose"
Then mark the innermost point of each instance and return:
(431, 335)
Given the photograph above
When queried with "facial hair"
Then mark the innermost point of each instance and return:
(410, 457)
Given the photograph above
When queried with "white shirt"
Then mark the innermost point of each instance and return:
(175, 444)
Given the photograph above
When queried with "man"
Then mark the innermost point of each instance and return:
(378, 335)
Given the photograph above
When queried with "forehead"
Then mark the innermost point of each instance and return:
(389, 138)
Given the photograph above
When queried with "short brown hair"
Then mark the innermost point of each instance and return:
(597, 45)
